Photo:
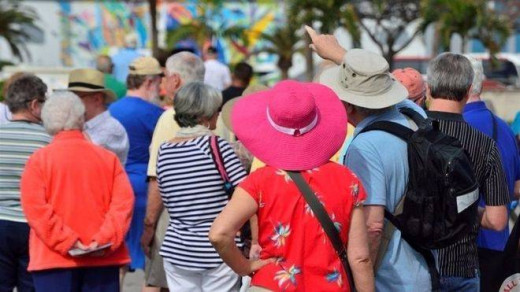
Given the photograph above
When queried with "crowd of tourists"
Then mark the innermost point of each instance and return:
(363, 180)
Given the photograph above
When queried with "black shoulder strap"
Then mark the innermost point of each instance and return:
(325, 221)
(415, 116)
(390, 127)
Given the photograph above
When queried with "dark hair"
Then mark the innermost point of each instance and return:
(23, 90)
(212, 50)
(243, 72)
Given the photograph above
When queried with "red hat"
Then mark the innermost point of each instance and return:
(412, 80)
(293, 126)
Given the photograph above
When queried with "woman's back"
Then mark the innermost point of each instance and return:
(289, 231)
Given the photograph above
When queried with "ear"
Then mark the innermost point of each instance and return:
(177, 81)
(428, 92)
(34, 104)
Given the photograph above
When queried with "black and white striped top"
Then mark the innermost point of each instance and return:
(192, 191)
(461, 258)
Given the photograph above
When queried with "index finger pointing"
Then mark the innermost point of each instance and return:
(312, 33)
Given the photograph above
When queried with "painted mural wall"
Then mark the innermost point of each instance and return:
(75, 32)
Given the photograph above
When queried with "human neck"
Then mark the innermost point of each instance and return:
(24, 116)
(445, 105)
(237, 83)
(138, 93)
(474, 98)
(95, 113)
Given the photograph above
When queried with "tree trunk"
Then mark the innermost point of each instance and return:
(309, 61)
(153, 20)
(389, 56)
(285, 73)
(464, 43)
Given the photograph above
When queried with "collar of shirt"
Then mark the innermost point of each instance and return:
(69, 135)
(474, 106)
(388, 115)
(97, 120)
(445, 116)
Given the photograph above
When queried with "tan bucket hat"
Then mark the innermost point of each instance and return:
(90, 80)
(363, 79)
(228, 106)
(145, 66)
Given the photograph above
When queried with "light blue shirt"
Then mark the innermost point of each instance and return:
(108, 133)
(380, 161)
(121, 61)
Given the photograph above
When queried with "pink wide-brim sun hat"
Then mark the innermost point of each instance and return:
(293, 126)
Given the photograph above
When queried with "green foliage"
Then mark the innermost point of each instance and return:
(468, 18)
(14, 19)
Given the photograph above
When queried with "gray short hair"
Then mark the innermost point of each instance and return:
(134, 81)
(478, 75)
(196, 101)
(63, 111)
(450, 76)
(188, 65)
(23, 90)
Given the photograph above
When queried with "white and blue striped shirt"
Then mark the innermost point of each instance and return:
(192, 191)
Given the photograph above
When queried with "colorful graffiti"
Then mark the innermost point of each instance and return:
(258, 17)
(98, 27)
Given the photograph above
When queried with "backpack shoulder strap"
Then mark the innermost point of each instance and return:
(415, 116)
(390, 127)
(325, 221)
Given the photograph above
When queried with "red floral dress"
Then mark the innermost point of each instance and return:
(289, 231)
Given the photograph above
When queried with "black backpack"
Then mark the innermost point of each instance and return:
(441, 198)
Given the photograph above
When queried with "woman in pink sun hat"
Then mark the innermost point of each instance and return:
(295, 128)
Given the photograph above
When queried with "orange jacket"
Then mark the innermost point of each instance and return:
(74, 190)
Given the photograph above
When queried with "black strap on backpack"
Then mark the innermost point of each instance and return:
(325, 221)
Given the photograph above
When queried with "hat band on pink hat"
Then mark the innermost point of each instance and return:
(292, 131)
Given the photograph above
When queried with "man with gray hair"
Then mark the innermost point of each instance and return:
(181, 68)
(491, 243)
(20, 138)
(450, 77)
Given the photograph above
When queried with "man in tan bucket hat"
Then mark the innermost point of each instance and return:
(101, 127)
(370, 93)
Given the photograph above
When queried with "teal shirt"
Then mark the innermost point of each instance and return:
(113, 84)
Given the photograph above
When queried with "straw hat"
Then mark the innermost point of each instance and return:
(228, 106)
(293, 126)
(363, 79)
(90, 80)
(145, 66)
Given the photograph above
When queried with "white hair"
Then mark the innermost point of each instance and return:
(478, 76)
(62, 111)
(188, 65)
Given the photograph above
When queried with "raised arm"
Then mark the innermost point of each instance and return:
(326, 46)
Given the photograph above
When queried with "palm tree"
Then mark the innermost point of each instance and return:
(468, 18)
(15, 22)
(284, 42)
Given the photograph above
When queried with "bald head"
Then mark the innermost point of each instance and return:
(104, 64)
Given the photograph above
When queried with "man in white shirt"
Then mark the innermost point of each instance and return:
(217, 74)
(101, 127)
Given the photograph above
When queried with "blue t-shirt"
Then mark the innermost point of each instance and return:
(515, 126)
(477, 115)
(139, 118)
(380, 161)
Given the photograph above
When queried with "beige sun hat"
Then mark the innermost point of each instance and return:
(228, 106)
(90, 80)
(363, 79)
(145, 66)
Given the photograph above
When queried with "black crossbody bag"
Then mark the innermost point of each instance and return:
(325, 221)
